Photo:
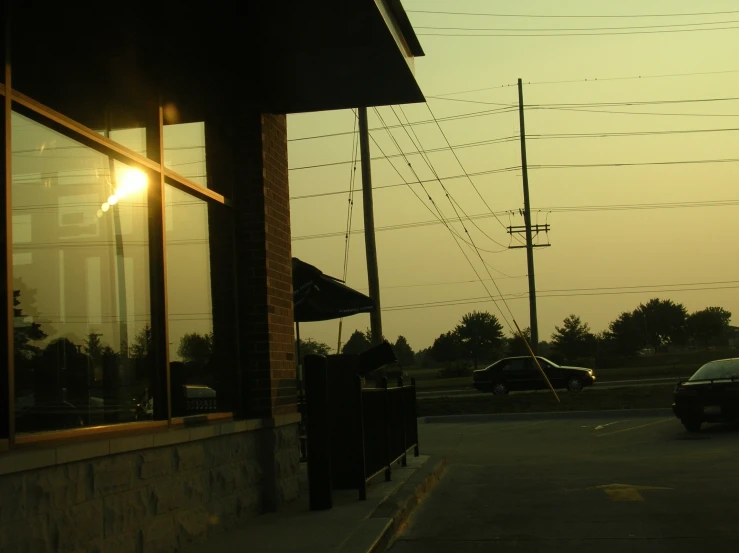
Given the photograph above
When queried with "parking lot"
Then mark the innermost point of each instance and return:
(609, 484)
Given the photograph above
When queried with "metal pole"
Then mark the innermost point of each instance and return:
(527, 220)
(369, 229)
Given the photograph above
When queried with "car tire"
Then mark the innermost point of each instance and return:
(692, 426)
(500, 389)
(574, 384)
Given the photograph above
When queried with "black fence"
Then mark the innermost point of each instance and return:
(387, 429)
(354, 433)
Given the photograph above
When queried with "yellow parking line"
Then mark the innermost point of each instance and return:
(632, 428)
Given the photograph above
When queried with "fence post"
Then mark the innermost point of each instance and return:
(414, 415)
(403, 422)
(386, 405)
(317, 430)
(362, 462)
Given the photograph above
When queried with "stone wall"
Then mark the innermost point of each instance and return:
(152, 500)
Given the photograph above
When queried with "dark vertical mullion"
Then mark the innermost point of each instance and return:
(221, 239)
(7, 376)
(158, 270)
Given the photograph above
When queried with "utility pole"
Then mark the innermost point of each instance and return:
(527, 221)
(370, 246)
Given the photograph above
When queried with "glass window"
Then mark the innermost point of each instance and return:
(80, 284)
(200, 377)
(184, 151)
(726, 368)
(516, 364)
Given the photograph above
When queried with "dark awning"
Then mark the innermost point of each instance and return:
(319, 297)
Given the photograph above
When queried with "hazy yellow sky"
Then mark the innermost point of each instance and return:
(622, 256)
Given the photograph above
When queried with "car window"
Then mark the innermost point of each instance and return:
(726, 368)
(514, 365)
(528, 364)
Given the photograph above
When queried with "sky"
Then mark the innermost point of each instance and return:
(599, 262)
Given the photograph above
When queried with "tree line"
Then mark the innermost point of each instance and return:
(479, 337)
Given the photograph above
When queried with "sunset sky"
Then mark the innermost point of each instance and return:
(601, 262)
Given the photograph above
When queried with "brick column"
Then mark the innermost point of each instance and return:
(264, 266)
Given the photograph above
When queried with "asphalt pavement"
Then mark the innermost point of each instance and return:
(471, 392)
(610, 483)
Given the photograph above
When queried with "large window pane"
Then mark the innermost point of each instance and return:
(81, 284)
(184, 150)
(200, 368)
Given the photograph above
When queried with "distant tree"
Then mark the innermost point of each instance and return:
(573, 339)
(627, 333)
(312, 347)
(143, 343)
(708, 324)
(404, 352)
(516, 345)
(664, 322)
(447, 348)
(423, 358)
(481, 334)
(196, 348)
(94, 347)
(358, 342)
(24, 333)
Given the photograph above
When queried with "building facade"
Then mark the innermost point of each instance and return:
(148, 386)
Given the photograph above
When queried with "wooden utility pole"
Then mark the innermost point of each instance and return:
(370, 246)
(527, 221)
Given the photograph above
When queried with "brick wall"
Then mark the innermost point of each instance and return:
(264, 266)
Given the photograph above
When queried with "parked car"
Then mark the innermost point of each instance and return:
(521, 373)
(710, 395)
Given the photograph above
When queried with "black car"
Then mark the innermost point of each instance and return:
(710, 395)
(521, 373)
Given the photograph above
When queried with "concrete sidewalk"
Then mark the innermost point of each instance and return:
(351, 526)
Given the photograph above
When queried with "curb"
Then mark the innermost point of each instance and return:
(621, 413)
(391, 516)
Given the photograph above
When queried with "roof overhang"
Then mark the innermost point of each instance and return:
(336, 54)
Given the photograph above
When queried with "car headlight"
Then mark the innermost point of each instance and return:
(590, 372)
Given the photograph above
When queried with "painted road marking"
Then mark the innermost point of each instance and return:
(609, 424)
(632, 428)
(625, 492)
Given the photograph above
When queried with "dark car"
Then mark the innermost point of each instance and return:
(710, 395)
(521, 373)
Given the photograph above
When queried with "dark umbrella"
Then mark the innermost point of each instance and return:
(319, 297)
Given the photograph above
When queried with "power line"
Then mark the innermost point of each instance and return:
(556, 136)
(639, 164)
(455, 236)
(588, 110)
(448, 118)
(440, 217)
(477, 251)
(427, 160)
(577, 16)
(500, 140)
(507, 139)
(585, 80)
(522, 296)
(467, 35)
(594, 104)
(557, 29)
(634, 287)
(555, 209)
(459, 162)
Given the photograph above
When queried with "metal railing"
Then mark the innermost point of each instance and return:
(388, 429)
